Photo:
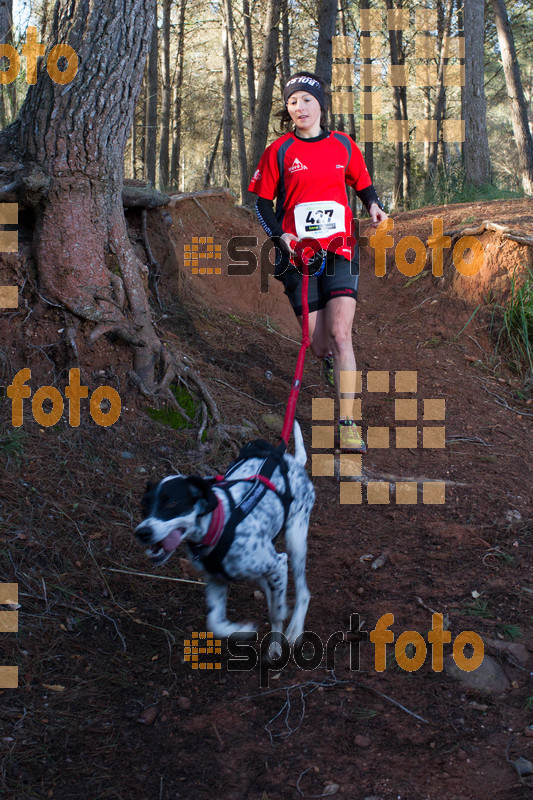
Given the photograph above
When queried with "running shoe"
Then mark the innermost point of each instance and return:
(327, 369)
(350, 438)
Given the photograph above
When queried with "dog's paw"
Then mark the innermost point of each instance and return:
(238, 632)
(292, 632)
(245, 631)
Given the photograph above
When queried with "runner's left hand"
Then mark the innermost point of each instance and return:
(377, 214)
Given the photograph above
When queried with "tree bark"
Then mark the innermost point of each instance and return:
(164, 161)
(178, 83)
(71, 141)
(521, 130)
(267, 77)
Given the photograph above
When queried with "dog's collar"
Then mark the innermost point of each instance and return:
(216, 526)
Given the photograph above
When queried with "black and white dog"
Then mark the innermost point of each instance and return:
(200, 512)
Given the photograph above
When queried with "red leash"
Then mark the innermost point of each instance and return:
(301, 259)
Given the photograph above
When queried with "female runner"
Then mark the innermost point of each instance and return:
(307, 170)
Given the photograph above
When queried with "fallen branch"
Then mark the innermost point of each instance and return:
(149, 575)
(502, 402)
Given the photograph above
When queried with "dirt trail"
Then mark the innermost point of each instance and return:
(97, 647)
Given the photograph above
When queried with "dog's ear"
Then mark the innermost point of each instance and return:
(200, 491)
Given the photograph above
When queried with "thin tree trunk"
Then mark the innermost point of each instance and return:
(178, 83)
(397, 191)
(143, 115)
(164, 161)
(249, 48)
(227, 112)
(427, 117)
(285, 42)
(239, 121)
(151, 109)
(327, 19)
(267, 77)
(352, 197)
(369, 144)
(521, 130)
(133, 150)
(441, 92)
(211, 163)
(6, 37)
(406, 153)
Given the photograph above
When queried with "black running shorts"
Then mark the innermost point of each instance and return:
(340, 278)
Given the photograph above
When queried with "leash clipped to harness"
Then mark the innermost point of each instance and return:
(304, 252)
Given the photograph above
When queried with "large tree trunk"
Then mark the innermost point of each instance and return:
(151, 109)
(178, 83)
(164, 161)
(521, 130)
(267, 76)
(71, 141)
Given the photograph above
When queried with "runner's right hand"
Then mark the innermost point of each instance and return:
(288, 240)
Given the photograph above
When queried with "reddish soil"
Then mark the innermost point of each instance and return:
(106, 705)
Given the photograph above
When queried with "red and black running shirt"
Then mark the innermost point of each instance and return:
(308, 177)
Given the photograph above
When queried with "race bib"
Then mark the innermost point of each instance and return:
(319, 220)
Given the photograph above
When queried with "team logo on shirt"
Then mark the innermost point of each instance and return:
(257, 175)
(297, 166)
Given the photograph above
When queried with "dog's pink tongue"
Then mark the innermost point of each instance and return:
(171, 542)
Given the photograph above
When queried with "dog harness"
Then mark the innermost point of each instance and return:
(219, 538)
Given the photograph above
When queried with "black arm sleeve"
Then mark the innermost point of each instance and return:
(265, 213)
(369, 196)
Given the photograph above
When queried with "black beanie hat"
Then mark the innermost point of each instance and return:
(304, 83)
